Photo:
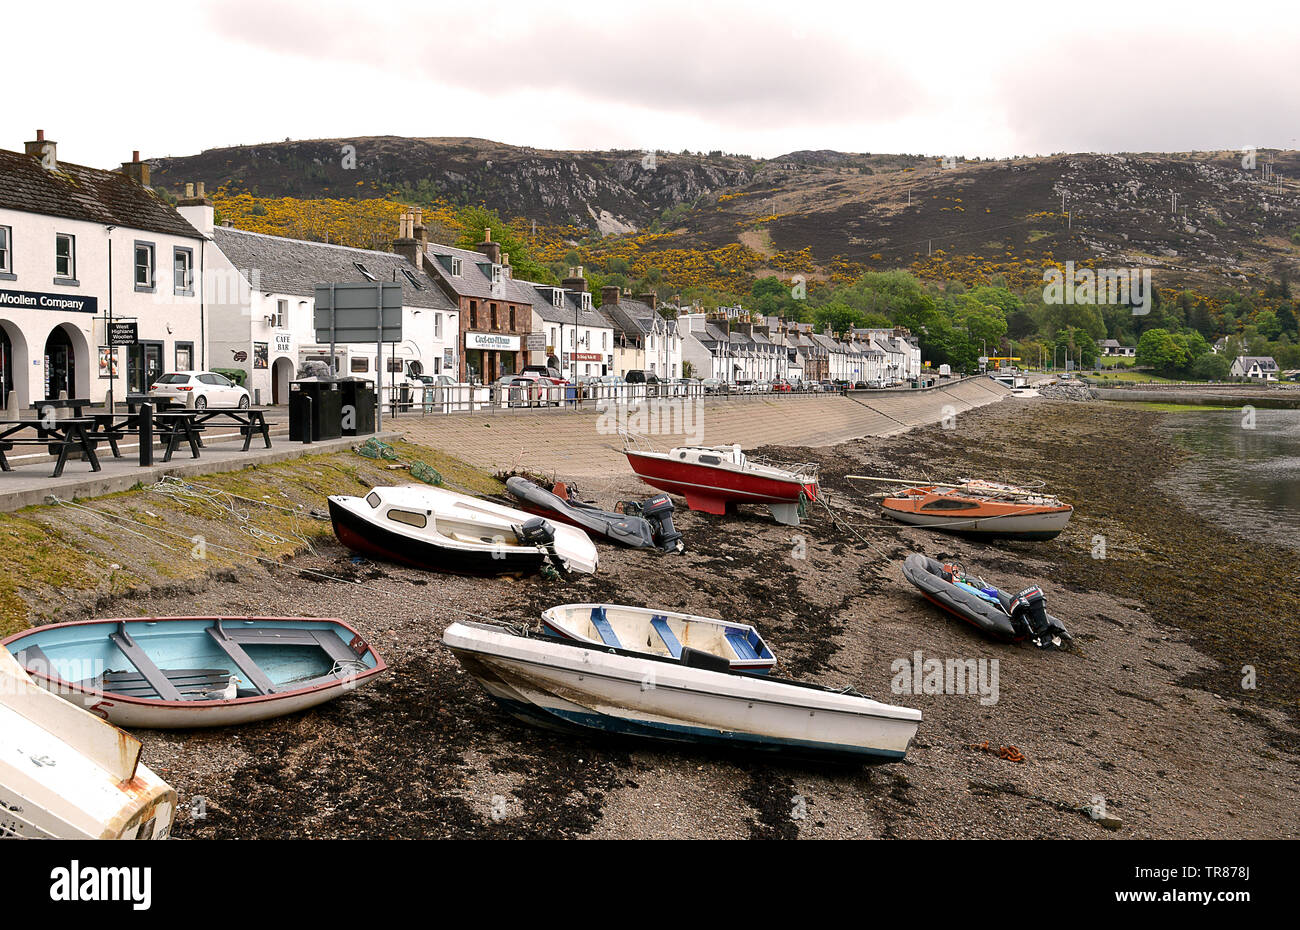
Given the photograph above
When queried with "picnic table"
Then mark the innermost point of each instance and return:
(65, 435)
(251, 420)
(171, 427)
(77, 405)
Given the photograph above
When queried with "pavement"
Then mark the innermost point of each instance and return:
(30, 482)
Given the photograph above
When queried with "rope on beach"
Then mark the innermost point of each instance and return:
(226, 504)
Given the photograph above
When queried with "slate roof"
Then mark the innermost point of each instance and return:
(1265, 362)
(296, 266)
(473, 281)
(79, 193)
(634, 318)
(540, 297)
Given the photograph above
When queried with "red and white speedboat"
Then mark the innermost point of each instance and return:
(712, 478)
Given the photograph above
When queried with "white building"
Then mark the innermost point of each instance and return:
(575, 338)
(1254, 367)
(78, 245)
(263, 322)
(643, 333)
(706, 347)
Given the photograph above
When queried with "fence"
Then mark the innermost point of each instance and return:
(432, 400)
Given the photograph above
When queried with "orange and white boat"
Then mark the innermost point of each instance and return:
(985, 508)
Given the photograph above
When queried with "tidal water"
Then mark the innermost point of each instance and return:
(1243, 474)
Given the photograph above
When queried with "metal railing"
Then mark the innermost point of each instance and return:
(435, 399)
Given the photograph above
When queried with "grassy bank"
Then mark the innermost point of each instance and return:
(63, 561)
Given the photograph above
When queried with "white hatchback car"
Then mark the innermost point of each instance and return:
(199, 389)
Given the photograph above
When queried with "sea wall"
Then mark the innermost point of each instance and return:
(588, 442)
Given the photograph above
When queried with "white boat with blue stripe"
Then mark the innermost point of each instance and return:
(694, 699)
(660, 632)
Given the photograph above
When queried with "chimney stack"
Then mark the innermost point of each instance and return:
(651, 299)
(609, 296)
(575, 281)
(406, 245)
(196, 207)
(489, 248)
(43, 149)
(418, 230)
(136, 170)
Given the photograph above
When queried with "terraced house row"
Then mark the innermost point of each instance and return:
(84, 251)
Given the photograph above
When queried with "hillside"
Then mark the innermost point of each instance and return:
(823, 213)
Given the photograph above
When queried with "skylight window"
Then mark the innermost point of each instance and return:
(411, 277)
(365, 272)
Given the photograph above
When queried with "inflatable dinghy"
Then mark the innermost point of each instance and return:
(644, 525)
(1011, 617)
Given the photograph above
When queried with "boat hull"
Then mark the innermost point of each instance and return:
(570, 687)
(66, 774)
(713, 489)
(1043, 524)
(375, 541)
(153, 713)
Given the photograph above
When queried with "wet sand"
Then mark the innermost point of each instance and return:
(1147, 714)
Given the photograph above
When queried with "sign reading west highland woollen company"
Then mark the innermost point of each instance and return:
(36, 300)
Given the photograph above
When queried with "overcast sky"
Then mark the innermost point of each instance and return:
(758, 77)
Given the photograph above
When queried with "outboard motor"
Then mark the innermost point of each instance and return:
(537, 532)
(659, 512)
(1029, 616)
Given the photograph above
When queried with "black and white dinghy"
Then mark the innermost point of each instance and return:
(444, 531)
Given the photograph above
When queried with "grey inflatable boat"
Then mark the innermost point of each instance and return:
(1010, 617)
(644, 525)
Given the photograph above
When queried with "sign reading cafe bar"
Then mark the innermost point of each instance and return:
(35, 300)
(492, 342)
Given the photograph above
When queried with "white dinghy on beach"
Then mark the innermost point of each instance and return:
(67, 774)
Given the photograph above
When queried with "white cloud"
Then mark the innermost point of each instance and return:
(761, 77)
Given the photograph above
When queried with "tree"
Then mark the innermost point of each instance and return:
(1159, 349)
(476, 221)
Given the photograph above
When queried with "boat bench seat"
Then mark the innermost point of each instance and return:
(601, 623)
(188, 681)
(741, 645)
(325, 639)
(660, 624)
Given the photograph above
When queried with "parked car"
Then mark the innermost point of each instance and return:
(545, 371)
(714, 386)
(782, 386)
(638, 376)
(199, 390)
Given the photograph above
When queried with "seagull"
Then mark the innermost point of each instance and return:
(228, 693)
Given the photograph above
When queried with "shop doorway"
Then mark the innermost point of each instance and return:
(281, 375)
(14, 371)
(144, 363)
(60, 365)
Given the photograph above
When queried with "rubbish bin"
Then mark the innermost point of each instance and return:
(359, 395)
(326, 410)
